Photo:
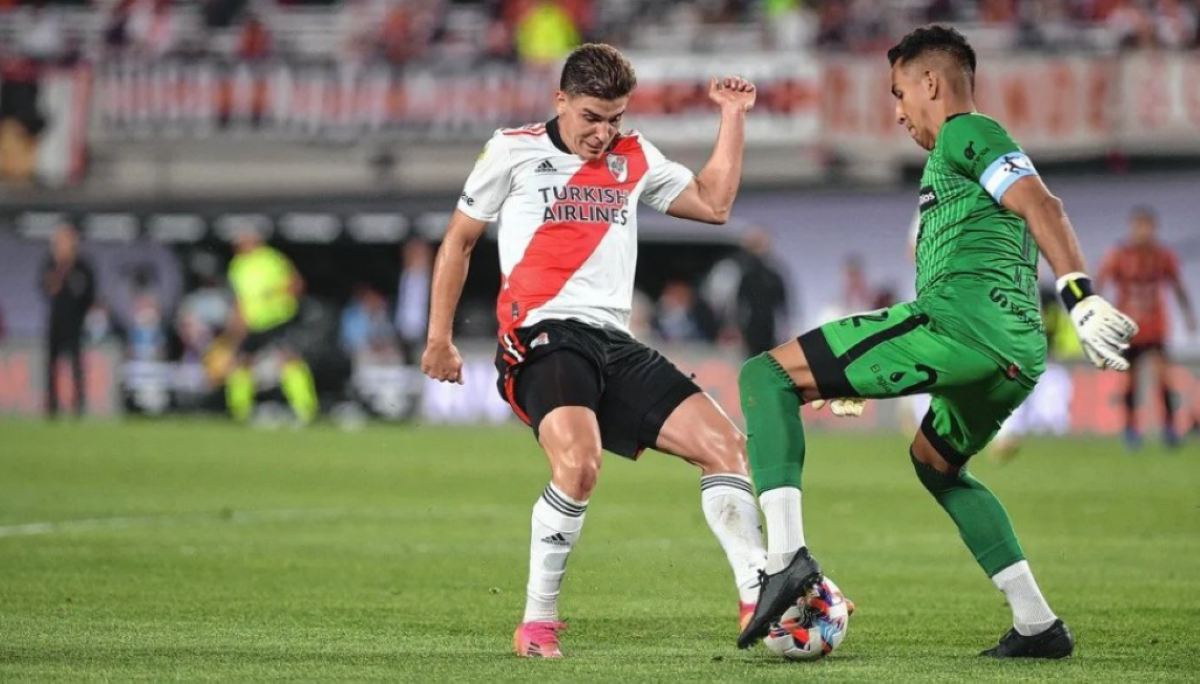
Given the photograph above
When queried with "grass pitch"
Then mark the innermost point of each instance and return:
(200, 551)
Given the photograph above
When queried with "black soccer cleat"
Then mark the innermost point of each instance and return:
(1056, 642)
(777, 593)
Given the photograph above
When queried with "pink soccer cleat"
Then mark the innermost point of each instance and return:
(538, 639)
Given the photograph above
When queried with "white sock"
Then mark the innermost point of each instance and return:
(785, 526)
(1031, 613)
(557, 521)
(729, 508)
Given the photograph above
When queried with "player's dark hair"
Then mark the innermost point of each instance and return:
(1145, 213)
(598, 70)
(936, 38)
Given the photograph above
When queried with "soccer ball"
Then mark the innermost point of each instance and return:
(813, 627)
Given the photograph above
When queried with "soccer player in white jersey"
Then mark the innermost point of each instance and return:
(565, 195)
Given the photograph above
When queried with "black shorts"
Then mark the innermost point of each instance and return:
(280, 336)
(1137, 351)
(631, 388)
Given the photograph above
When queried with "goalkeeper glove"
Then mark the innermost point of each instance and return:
(1103, 330)
(842, 408)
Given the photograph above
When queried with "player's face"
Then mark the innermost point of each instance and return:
(246, 241)
(913, 105)
(1143, 231)
(64, 244)
(588, 124)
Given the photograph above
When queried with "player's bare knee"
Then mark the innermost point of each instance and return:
(725, 452)
(577, 469)
(924, 453)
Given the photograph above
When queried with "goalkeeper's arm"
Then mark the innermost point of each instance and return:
(1104, 331)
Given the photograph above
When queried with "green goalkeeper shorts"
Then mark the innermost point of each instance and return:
(899, 351)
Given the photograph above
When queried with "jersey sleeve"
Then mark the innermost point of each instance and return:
(980, 148)
(665, 179)
(489, 183)
(1170, 266)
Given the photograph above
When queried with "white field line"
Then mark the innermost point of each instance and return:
(236, 518)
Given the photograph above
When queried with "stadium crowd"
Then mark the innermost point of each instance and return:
(400, 32)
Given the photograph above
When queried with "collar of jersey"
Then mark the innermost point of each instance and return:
(556, 136)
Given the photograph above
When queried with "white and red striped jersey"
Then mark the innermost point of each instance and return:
(567, 228)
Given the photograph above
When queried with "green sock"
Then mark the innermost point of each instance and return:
(774, 433)
(979, 515)
(297, 382)
(239, 393)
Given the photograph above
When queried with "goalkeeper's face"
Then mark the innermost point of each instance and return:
(914, 92)
(589, 124)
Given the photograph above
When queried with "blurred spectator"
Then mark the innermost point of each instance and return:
(641, 316)
(116, 28)
(412, 298)
(365, 330)
(396, 35)
(69, 285)
(833, 27)
(1176, 24)
(221, 14)
(884, 298)
(998, 11)
(254, 41)
(99, 325)
(21, 119)
(940, 11)
(857, 294)
(682, 316)
(545, 33)
(790, 23)
(152, 28)
(41, 34)
(1131, 24)
(359, 22)
(146, 340)
(202, 316)
(762, 295)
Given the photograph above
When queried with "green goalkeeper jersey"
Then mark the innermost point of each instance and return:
(976, 260)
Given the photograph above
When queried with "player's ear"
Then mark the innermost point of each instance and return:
(931, 81)
(560, 102)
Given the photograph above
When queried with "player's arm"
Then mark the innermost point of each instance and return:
(1048, 223)
(980, 149)
(483, 195)
(1181, 295)
(441, 360)
(295, 281)
(1104, 331)
(1108, 270)
(235, 326)
(709, 197)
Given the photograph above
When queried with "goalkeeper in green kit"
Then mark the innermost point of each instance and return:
(973, 339)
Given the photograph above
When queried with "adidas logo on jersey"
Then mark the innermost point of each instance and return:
(557, 539)
(545, 167)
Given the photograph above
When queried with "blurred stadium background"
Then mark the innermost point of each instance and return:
(342, 131)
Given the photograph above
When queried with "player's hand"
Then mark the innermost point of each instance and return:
(842, 408)
(442, 362)
(733, 92)
(1104, 332)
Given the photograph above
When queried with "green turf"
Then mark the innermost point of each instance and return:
(400, 553)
